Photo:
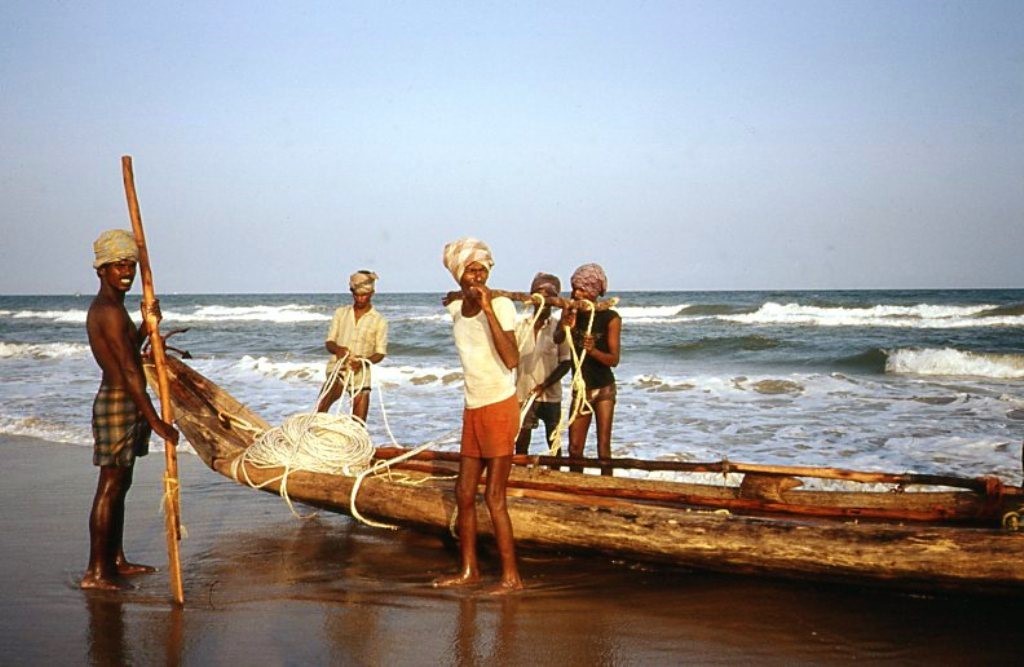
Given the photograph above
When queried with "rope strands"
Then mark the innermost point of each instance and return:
(580, 404)
(339, 444)
(316, 442)
(320, 442)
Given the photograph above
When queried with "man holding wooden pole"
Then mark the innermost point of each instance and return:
(123, 414)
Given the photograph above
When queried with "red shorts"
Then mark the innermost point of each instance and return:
(490, 431)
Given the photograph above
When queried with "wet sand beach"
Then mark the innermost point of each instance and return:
(264, 586)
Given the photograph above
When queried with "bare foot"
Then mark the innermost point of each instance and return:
(126, 569)
(505, 587)
(94, 582)
(461, 579)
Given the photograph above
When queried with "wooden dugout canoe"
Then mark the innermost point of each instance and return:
(910, 537)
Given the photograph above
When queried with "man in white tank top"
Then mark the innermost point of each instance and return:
(483, 330)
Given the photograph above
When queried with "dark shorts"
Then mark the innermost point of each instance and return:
(490, 431)
(120, 432)
(601, 394)
(548, 412)
(354, 381)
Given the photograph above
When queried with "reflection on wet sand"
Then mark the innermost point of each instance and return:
(106, 630)
(159, 640)
(364, 596)
(262, 585)
(489, 640)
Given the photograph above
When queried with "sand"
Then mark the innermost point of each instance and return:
(261, 585)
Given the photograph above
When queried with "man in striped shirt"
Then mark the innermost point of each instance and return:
(358, 337)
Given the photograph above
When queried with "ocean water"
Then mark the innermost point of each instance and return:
(922, 381)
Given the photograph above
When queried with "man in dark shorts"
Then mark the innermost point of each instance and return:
(542, 365)
(600, 342)
(123, 415)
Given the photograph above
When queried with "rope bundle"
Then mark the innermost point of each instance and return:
(339, 444)
(319, 442)
(580, 404)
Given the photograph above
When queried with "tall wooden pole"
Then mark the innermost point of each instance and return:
(171, 488)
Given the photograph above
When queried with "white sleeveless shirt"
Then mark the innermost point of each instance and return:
(487, 380)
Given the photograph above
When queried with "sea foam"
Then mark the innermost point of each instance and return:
(257, 313)
(948, 361)
(38, 427)
(651, 312)
(61, 316)
(918, 316)
(315, 372)
(42, 350)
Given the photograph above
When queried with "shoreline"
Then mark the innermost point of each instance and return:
(258, 581)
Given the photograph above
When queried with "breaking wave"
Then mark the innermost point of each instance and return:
(42, 350)
(75, 316)
(38, 427)
(313, 372)
(921, 316)
(948, 361)
(286, 314)
(871, 361)
(650, 313)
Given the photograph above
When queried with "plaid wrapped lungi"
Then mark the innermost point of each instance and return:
(119, 430)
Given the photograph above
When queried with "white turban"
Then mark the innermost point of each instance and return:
(461, 253)
(362, 282)
(114, 245)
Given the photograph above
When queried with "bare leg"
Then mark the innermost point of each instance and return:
(551, 422)
(550, 426)
(124, 567)
(578, 438)
(470, 470)
(605, 411)
(497, 505)
(329, 398)
(523, 441)
(361, 405)
(106, 528)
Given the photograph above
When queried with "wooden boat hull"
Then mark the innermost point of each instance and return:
(907, 555)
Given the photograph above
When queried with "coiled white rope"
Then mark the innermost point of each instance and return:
(339, 444)
(319, 442)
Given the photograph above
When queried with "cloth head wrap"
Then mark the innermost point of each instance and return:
(114, 245)
(546, 284)
(362, 282)
(590, 278)
(461, 253)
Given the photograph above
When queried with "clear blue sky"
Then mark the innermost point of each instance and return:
(683, 145)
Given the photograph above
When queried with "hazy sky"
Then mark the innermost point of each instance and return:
(683, 145)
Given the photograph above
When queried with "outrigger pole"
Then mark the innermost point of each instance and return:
(171, 488)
